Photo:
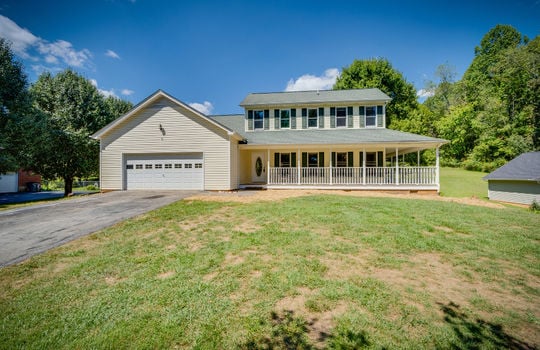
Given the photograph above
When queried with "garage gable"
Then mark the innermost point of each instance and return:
(149, 107)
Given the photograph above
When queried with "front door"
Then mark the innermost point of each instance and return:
(258, 167)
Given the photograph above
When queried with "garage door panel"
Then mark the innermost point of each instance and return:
(178, 172)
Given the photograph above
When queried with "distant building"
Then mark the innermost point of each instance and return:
(19, 181)
(518, 181)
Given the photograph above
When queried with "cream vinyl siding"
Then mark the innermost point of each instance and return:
(182, 131)
(234, 157)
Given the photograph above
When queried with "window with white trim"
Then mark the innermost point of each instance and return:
(341, 159)
(341, 117)
(313, 118)
(313, 160)
(285, 118)
(258, 120)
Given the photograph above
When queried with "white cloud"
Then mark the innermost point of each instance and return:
(105, 93)
(112, 54)
(64, 50)
(424, 93)
(23, 43)
(311, 82)
(51, 59)
(127, 92)
(21, 38)
(205, 107)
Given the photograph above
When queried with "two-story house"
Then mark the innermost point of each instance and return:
(333, 139)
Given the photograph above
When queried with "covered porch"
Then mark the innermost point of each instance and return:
(354, 167)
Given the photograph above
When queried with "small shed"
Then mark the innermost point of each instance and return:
(518, 181)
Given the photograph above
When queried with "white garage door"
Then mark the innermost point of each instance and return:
(165, 172)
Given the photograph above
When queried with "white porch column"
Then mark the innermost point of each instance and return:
(418, 158)
(298, 163)
(267, 166)
(331, 180)
(397, 166)
(437, 173)
(363, 166)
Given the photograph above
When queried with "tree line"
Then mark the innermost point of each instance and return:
(490, 116)
(45, 127)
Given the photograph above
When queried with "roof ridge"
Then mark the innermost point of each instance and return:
(314, 90)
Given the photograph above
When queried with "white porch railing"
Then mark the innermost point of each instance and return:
(353, 176)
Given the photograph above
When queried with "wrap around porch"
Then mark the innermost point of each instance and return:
(347, 170)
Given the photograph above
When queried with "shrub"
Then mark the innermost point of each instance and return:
(535, 206)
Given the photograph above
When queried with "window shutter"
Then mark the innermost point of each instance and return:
(362, 112)
(250, 120)
(350, 159)
(304, 118)
(332, 117)
(321, 159)
(276, 159)
(380, 158)
(293, 118)
(361, 159)
(321, 117)
(293, 160)
(304, 159)
(276, 119)
(333, 158)
(266, 119)
(380, 116)
(350, 117)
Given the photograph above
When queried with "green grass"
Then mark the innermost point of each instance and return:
(457, 182)
(324, 271)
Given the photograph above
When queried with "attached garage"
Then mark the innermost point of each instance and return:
(165, 172)
(164, 144)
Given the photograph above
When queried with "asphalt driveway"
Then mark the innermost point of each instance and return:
(31, 230)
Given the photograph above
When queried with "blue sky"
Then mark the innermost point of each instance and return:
(213, 53)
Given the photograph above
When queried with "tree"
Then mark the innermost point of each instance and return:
(68, 110)
(14, 104)
(379, 73)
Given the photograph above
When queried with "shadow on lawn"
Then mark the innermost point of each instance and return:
(477, 334)
(290, 332)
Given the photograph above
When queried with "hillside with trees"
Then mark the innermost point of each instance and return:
(490, 116)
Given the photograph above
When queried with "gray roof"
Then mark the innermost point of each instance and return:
(321, 136)
(314, 97)
(525, 167)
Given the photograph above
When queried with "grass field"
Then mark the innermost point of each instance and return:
(457, 182)
(309, 272)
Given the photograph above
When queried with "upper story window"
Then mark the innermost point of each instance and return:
(341, 117)
(258, 120)
(372, 116)
(313, 118)
(285, 118)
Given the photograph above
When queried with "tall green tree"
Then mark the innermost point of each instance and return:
(379, 73)
(68, 110)
(14, 105)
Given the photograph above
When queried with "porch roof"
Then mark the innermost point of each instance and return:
(343, 136)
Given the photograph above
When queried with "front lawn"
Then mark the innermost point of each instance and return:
(315, 271)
